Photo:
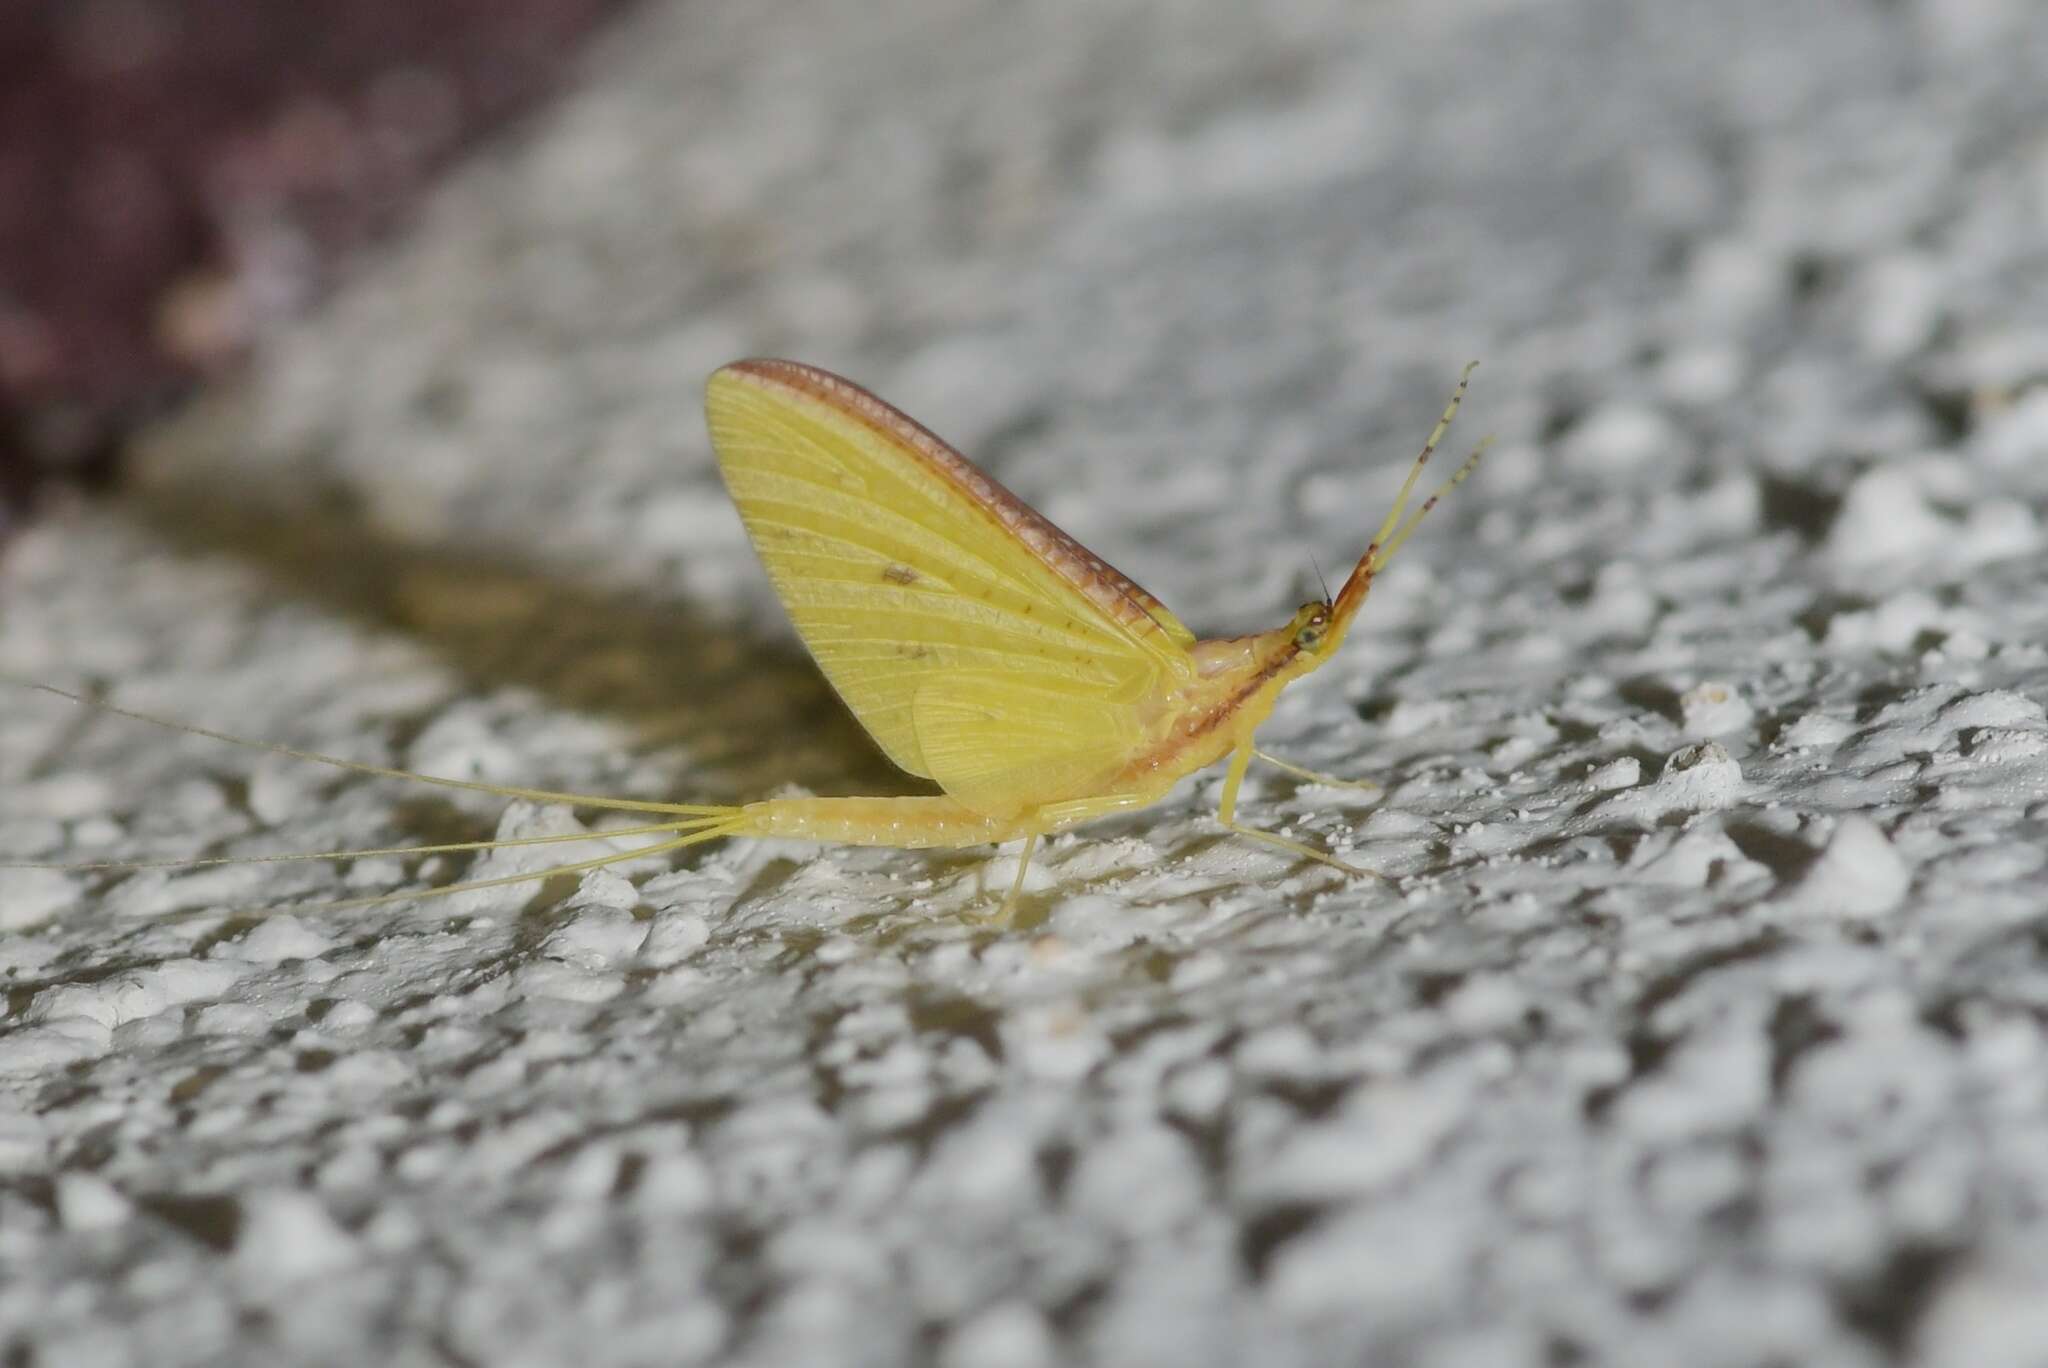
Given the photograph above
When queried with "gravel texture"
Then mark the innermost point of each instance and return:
(1700, 1023)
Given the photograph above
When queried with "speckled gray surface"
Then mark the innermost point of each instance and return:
(1703, 1020)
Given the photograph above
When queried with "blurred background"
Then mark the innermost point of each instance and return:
(178, 175)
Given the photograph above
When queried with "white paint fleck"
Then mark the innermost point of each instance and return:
(1713, 708)
(1625, 772)
(85, 1202)
(279, 938)
(1620, 436)
(29, 897)
(136, 994)
(1859, 873)
(288, 1238)
(1007, 1335)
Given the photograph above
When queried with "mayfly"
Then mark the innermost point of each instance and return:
(981, 647)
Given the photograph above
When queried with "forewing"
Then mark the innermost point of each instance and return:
(903, 566)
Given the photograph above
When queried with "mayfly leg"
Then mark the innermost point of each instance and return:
(1312, 776)
(1006, 913)
(1226, 814)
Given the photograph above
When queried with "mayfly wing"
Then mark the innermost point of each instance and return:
(962, 628)
(997, 743)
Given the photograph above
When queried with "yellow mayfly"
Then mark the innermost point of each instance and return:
(981, 647)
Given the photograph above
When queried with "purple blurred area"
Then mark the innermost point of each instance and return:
(178, 175)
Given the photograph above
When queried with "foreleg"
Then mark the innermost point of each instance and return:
(1226, 813)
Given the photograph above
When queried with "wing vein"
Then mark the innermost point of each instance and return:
(972, 658)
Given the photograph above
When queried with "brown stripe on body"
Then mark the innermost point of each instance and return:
(1185, 737)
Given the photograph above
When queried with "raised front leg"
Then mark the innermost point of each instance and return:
(1226, 813)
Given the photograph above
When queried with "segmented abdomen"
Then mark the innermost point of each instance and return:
(909, 823)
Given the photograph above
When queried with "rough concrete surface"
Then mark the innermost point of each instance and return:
(1701, 1018)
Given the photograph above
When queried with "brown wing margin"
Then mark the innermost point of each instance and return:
(1115, 594)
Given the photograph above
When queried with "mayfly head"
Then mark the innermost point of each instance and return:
(1310, 630)
(1307, 641)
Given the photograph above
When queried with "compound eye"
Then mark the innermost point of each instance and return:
(1310, 636)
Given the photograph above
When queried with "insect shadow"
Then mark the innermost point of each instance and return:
(648, 659)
